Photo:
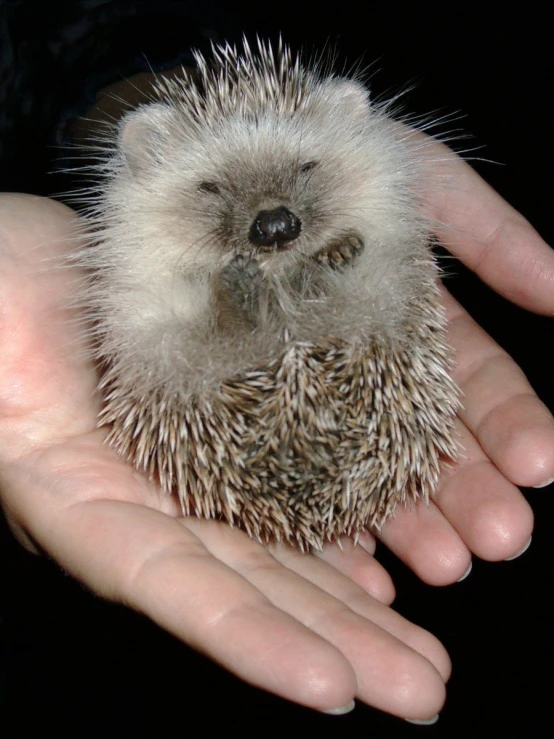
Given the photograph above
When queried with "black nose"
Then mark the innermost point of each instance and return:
(274, 227)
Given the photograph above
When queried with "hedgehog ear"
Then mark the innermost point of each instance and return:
(142, 132)
(350, 97)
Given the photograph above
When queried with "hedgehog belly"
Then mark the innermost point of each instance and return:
(323, 441)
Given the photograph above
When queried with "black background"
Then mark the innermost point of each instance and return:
(74, 664)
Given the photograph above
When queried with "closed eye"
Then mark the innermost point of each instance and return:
(210, 187)
(308, 166)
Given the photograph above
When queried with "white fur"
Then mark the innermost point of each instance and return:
(249, 124)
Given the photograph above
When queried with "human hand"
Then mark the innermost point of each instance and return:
(289, 623)
(50, 450)
(506, 432)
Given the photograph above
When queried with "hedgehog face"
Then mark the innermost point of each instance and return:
(255, 156)
(276, 183)
(271, 188)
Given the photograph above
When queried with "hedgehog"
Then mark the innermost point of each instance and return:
(263, 302)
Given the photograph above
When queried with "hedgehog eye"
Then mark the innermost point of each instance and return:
(308, 166)
(210, 187)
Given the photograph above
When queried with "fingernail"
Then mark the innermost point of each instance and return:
(466, 573)
(521, 551)
(343, 709)
(423, 721)
(544, 484)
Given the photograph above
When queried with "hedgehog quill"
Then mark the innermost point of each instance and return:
(263, 301)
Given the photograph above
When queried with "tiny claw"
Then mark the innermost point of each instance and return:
(340, 252)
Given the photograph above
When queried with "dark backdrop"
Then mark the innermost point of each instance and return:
(74, 664)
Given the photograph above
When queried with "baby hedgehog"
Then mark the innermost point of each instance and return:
(264, 302)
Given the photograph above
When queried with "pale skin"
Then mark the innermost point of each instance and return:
(317, 630)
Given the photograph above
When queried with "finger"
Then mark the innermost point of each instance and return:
(487, 234)
(427, 543)
(515, 430)
(151, 562)
(488, 512)
(390, 674)
(359, 566)
(346, 591)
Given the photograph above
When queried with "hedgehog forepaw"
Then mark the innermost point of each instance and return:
(341, 251)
